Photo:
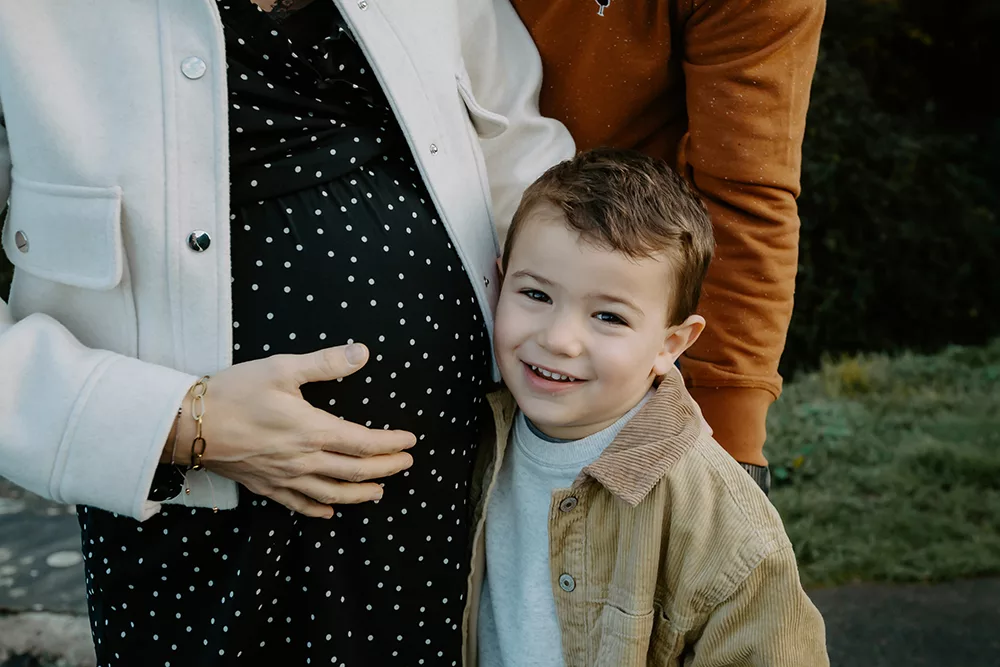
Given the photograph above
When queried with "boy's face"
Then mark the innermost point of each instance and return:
(581, 332)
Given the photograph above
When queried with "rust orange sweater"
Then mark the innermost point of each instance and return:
(719, 89)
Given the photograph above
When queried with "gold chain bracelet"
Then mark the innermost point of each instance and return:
(198, 445)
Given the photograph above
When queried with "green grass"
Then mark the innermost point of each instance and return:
(888, 469)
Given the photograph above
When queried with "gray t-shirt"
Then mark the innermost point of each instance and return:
(518, 625)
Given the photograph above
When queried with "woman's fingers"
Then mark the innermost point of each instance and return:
(323, 365)
(352, 469)
(332, 492)
(300, 503)
(265, 436)
(352, 439)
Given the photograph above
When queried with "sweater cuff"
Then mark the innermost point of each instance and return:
(738, 417)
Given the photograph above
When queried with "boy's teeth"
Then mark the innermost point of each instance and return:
(552, 376)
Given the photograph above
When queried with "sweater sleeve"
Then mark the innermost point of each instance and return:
(748, 66)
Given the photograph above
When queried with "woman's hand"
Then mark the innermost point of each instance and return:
(261, 433)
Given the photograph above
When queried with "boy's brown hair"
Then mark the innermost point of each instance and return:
(633, 204)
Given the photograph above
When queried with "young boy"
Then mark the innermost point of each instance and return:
(617, 531)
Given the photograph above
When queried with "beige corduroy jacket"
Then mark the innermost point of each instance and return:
(663, 552)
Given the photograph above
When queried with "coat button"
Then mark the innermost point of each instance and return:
(21, 241)
(568, 504)
(486, 280)
(363, 5)
(199, 240)
(434, 149)
(193, 67)
(567, 583)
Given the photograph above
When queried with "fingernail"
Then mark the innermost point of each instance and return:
(355, 354)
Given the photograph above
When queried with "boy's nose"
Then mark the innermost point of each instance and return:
(561, 337)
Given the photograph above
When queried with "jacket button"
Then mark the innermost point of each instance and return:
(21, 241)
(567, 583)
(199, 240)
(568, 504)
(363, 5)
(193, 67)
(434, 149)
(486, 280)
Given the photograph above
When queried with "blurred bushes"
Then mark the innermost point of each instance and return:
(900, 243)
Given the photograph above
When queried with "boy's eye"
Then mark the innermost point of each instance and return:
(610, 318)
(536, 295)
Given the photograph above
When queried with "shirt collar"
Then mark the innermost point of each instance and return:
(650, 443)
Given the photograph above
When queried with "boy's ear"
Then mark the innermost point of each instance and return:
(677, 340)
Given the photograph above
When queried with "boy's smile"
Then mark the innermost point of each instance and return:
(581, 331)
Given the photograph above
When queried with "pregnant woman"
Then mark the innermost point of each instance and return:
(226, 190)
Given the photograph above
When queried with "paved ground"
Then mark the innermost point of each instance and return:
(42, 606)
(40, 562)
(945, 625)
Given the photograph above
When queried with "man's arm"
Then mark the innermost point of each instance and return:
(748, 66)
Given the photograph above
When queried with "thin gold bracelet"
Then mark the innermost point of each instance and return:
(177, 429)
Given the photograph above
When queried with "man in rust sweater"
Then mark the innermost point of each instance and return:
(719, 89)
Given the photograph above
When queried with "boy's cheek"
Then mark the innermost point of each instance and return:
(624, 362)
(506, 318)
(502, 335)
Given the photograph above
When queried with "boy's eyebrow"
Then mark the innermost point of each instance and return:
(524, 273)
(628, 303)
(604, 296)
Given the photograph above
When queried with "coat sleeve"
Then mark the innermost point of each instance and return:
(768, 621)
(505, 76)
(748, 65)
(79, 425)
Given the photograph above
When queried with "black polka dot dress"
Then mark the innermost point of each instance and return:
(334, 239)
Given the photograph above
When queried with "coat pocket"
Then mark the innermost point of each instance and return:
(667, 643)
(66, 245)
(624, 637)
(68, 234)
(488, 124)
(483, 124)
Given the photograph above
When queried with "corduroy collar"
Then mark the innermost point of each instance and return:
(652, 441)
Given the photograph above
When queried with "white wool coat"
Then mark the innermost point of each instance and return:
(114, 148)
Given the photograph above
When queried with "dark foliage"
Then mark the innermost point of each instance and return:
(900, 243)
